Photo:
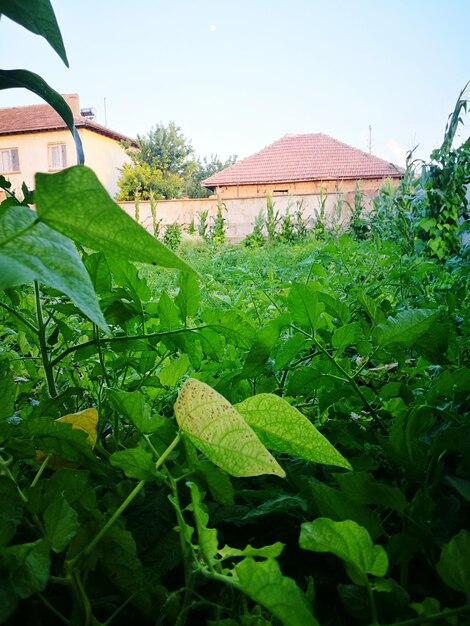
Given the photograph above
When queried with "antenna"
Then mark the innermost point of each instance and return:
(106, 118)
(370, 139)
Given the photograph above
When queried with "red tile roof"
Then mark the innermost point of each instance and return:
(312, 157)
(42, 117)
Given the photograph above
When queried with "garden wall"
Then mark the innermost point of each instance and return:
(241, 213)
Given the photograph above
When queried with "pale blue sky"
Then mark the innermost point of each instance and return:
(236, 76)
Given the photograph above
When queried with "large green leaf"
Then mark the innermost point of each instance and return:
(133, 406)
(454, 565)
(350, 542)
(39, 18)
(264, 583)
(305, 307)
(30, 251)
(135, 463)
(12, 79)
(406, 327)
(74, 202)
(282, 427)
(220, 432)
(188, 296)
(7, 390)
(30, 567)
(60, 523)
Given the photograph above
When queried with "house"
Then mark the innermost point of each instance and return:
(36, 139)
(304, 165)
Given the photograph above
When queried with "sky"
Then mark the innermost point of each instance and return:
(237, 75)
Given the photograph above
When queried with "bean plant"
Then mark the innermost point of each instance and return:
(237, 437)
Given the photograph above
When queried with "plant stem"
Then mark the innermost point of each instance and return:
(43, 345)
(373, 608)
(22, 319)
(118, 512)
(100, 354)
(436, 617)
(53, 610)
(40, 471)
(93, 342)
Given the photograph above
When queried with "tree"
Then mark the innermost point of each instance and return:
(160, 166)
(203, 169)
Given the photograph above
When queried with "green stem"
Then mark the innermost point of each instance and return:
(118, 512)
(40, 471)
(436, 617)
(100, 354)
(43, 345)
(373, 608)
(4, 467)
(22, 319)
(92, 342)
(120, 608)
(53, 610)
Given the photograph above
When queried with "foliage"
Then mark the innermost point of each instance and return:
(286, 443)
(160, 164)
(172, 236)
(256, 239)
(204, 168)
(429, 209)
(217, 233)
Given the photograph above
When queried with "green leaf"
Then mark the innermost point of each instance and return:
(127, 275)
(350, 542)
(264, 583)
(454, 565)
(360, 487)
(305, 307)
(282, 427)
(60, 523)
(74, 202)
(135, 463)
(171, 374)
(289, 349)
(334, 504)
(29, 568)
(97, 268)
(12, 79)
(38, 17)
(266, 552)
(220, 432)
(217, 481)
(11, 510)
(60, 438)
(132, 405)
(188, 296)
(460, 485)
(207, 537)
(33, 251)
(7, 390)
(266, 339)
(407, 327)
(345, 336)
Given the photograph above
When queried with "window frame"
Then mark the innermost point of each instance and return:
(12, 161)
(63, 155)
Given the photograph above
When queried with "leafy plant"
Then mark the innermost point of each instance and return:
(172, 236)
(217, 233)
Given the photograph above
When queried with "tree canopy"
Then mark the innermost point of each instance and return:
(163, 166)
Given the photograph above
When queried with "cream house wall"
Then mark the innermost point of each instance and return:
(33, 154)
(103, 154)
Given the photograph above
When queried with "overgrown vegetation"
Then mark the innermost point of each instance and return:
(285, 441)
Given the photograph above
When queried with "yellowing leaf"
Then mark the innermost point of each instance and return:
(220, 432)
(86, 420)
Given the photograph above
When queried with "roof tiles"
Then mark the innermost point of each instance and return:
(42, 117)
(308, 157)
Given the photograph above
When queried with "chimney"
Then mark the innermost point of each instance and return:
(73, 100)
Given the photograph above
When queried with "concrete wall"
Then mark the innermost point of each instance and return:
(102, 154)
(241, 212)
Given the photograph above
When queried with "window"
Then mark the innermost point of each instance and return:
(9, 160)
(57, 153)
